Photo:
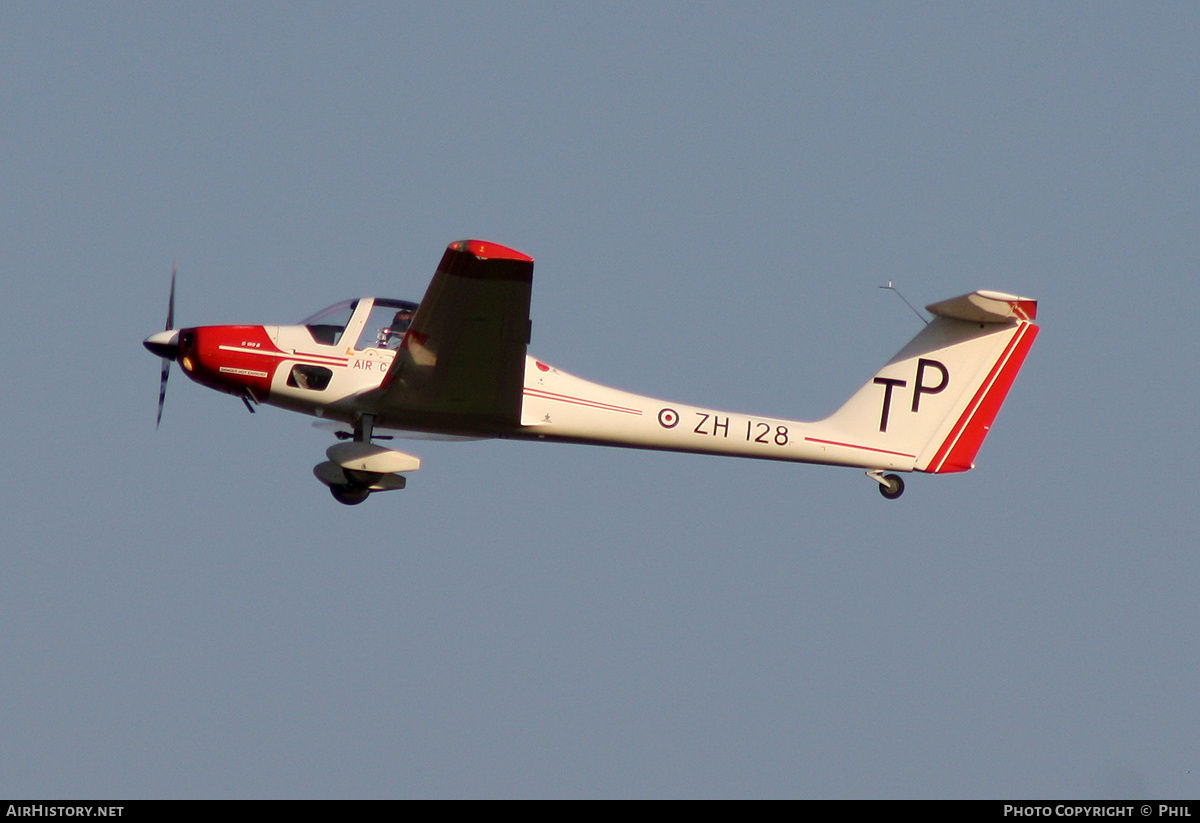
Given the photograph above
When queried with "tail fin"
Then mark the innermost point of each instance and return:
(936, 399)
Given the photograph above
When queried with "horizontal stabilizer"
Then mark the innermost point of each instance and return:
(986, 307)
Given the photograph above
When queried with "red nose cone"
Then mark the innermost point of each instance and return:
(233, 359)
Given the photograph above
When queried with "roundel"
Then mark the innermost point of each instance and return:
(668, 418)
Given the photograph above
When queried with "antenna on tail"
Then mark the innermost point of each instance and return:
(890, 287)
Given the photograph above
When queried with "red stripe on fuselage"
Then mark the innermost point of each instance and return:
(303, 357)
(580, 401)
(853, 446)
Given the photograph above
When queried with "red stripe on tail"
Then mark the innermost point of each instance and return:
(957, 453)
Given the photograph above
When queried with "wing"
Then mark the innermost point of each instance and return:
(462, 363)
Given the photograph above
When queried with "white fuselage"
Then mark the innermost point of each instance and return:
(560, 406)
(902, 420)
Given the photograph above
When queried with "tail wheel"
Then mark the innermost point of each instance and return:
(892, 486)
(349, 495)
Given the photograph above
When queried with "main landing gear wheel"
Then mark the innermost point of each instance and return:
(349, 495)
(892, 486)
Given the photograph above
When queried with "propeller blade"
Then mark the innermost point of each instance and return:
(162, 389)
(171, 300)
(166, 361)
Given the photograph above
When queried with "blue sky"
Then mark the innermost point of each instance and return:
(713, 194)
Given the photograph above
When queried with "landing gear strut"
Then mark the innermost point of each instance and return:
(891, 486)
(357, 488)
(355, 471)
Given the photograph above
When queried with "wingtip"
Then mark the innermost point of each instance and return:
(486, 250)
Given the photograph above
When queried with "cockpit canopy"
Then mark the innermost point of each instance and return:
(380, 322)
(327, 325)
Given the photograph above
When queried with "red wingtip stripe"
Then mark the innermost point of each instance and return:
(958, 452)
(490, 251)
